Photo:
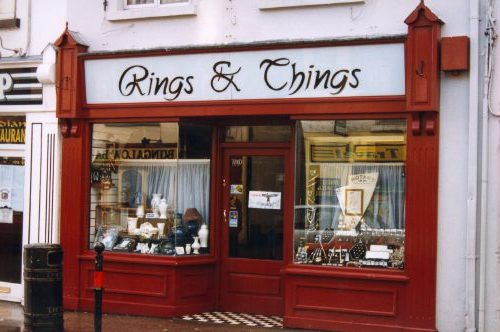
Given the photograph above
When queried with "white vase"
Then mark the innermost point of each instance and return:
(163, 208)
(131, 225)
(140, 211)
(188, 248)
(196, 245)
(203, 234)
(161, 229)
(155, 201)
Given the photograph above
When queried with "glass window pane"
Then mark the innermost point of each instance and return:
(350, 193)
(139, 2)
(11, 218)
(257, 133)
(145, 179)
(256, 231)
(172, 1)
(194, 184)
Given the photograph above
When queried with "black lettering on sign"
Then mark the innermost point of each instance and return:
(137, 80)
(223, 78)
(282, 73)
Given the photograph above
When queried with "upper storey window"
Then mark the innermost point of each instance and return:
(279, 4)
(8, 14)
(138, 9)
(137, 3)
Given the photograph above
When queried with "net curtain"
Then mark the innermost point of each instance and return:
(386, 207)
(184, 184)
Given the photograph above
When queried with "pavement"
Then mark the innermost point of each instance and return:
(12, 320)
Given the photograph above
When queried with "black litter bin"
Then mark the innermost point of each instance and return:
(43, 310)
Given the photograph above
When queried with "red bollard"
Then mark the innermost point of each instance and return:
(98, 287)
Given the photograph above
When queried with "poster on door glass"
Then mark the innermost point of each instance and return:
(5, 205)
(264, 200)
(6, 215)
(5, 197)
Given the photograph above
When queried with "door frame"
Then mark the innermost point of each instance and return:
(254, 149)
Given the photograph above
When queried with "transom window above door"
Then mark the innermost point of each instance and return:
(257, 133)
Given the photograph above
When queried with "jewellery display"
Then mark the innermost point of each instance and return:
(154, 248)
(360, 247)
(348, 230)
(108, 236)
(337, 256)
(143, 248)
(125, 244)
(153, 235)
(358, 250)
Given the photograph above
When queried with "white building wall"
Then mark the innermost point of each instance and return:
(492, 246)
(241, 21)
(41, 22)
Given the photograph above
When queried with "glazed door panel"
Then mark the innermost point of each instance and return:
(11, 227)
(253, 221)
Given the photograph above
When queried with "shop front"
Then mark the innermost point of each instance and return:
(28, 164)
(291, 179)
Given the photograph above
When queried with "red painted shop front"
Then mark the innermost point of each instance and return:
(312, 196)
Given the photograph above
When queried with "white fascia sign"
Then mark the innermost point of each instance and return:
(319, 72)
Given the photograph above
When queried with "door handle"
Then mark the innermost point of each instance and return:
(224, 216)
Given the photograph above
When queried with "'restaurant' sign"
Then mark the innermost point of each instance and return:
(362, 70)
(12, 130)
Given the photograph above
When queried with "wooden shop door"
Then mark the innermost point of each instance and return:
(253, 221)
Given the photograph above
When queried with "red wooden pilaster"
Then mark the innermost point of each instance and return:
(73, 170)
(73, 205)
(69, 74)
(422, 60)
(422, 99)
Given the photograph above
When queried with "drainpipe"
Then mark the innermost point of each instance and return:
(28, 29)
(472, 171)
(488, 69)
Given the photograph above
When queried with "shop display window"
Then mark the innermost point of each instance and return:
(150, 188)
(350, 193)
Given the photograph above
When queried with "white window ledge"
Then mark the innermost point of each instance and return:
(276, 4)
(117, 12)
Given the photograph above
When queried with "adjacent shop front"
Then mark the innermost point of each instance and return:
(293, 179)
(28, 164)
